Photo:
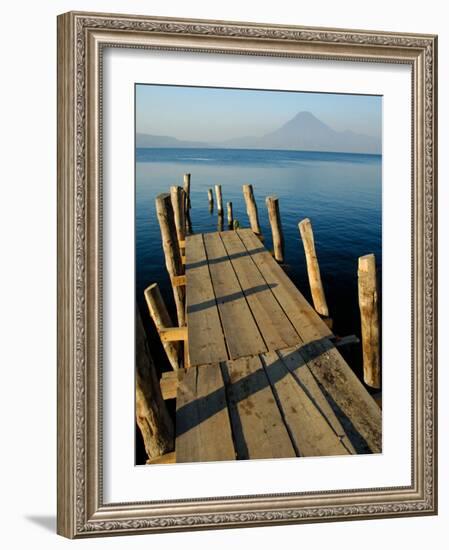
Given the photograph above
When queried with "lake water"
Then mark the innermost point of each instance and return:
(340, 193)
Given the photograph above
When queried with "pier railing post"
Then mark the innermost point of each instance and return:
(161, 319)
(276, 227)
(170, 245)
(152, 416)
(230, 216)
(187, 190)
(210, 198)
(313, 268)
(369, 319)
(251, 209)
(219, 199)
(178, 199)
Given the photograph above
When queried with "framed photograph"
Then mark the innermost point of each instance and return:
(246, 274)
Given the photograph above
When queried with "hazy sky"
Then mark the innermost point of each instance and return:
(203, 114)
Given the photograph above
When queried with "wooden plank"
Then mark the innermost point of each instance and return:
(205, 335)
(179, 280)
(169, 385)
(240, 329)
(274, 325)
(308, 427)
(355, 405)
(203, 430)
(296, 365)
(306, 321)
(173, 334)
(258, 428)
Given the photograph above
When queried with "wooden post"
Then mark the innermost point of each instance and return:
(369, 319)
(187, 190)
(313, 269)
(219, 198)
(230, 216)
(276, 227)
(210, 197)
(220, 221)
(152, 416)
(172, 253)
(161, 319)
(251, 209)
(178, 199)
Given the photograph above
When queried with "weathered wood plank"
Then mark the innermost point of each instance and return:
(276, 329)
(306, 321)
(241, 332)
(308, 427)
(205, 335)
(203, 430)
(355, 407)
(173, 334)
(296, 365)
(258, 427)
(169, 385)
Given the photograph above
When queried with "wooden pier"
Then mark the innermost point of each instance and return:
(256, 369)
(264, 376)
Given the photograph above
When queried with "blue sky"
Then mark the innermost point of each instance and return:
(203, 114)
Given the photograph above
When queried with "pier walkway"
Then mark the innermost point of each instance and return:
(264, 378)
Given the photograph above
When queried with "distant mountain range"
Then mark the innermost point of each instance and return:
(304, 132)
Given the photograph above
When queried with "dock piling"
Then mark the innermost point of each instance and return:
(162, 321)
(313, 268)
(170, 244)
(230, 216)
(220, 221)
(152, 415)
(178, 200)
(276, 227)
(187, 190)
(369, 319)
(219, 198)
(251, 209)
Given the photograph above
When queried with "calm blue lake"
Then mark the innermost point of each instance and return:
(340, 193)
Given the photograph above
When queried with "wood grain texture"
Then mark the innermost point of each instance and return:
(178, 201)
(311, 433)
(241, 332)
(369, 316)
(203, 430)
(152, 416)
(313, 268)
(259, 430)
(170, 245)
(342, 387)
(162, 320)
(274, 218)
(205, 334)
(302, 316)
(251, 209)
(273, 323)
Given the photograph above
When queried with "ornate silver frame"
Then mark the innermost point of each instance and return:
(81, 38)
